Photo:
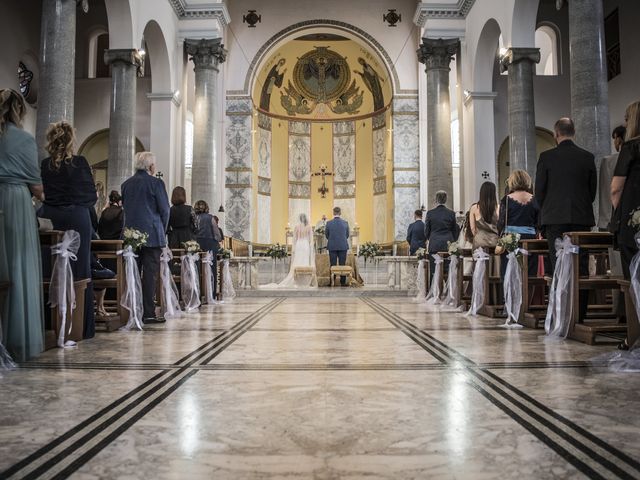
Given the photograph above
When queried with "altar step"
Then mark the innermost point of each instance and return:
(325, 292)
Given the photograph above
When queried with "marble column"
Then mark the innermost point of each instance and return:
(437, 54)
(520, 63)
(122, 117)
(207, 55)
(589, 85)
(57, 66)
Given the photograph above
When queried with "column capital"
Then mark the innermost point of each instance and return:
(206, 53)
(436, 53)
(125, 55)
(519, 54)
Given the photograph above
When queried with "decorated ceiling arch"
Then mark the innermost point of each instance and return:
(322, 76)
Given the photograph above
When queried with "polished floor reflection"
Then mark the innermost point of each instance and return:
(325, 388)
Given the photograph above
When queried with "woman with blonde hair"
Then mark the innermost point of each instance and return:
(69, 194)
(21, 316)
(625, 189)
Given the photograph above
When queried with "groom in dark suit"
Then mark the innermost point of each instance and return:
(337, 233)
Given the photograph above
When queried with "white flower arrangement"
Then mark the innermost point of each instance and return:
(509, 241)
(634, 219)
(369, 250)
(134, 238)
(277, 251)
(454, 249)
(191, 246)
(224, 253)
(319, 230)
(421, 253)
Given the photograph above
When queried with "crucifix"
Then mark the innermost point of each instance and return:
(323, 173)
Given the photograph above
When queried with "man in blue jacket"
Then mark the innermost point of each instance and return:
(146, 208)
(337, 233)
(416, 234)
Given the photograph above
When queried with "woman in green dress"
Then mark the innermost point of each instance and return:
(22, 315)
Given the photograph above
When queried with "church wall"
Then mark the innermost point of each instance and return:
(624, 89)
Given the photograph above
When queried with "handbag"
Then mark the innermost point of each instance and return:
(499, 250)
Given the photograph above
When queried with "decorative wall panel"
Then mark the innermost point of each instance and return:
(264, 179)
(406, 163)
(238, 168)
(344, 169)
(299, 170)
(379, 137)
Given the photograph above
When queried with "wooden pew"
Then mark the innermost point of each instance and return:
(240, 248)
(532, 315)
(492, 287)
(465, 294)
(633, 325)
(593, 243)
(204, 290)
(176, 268)
(107, 250)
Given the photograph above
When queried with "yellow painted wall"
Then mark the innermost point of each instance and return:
(279, 179)
(321, 153)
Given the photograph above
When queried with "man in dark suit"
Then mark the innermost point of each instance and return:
(337, 233)
(566, 187)
(146, 208)
(415, 234)
(440, 227)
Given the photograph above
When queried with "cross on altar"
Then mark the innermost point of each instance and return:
(323, 173)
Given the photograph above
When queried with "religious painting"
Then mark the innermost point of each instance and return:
(373, 82)
(274, 79)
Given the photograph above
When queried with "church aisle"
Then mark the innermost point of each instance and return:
(326, 388)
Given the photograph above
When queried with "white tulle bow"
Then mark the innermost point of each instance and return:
(208, 262)
(228, 292)
(170, 299)
(477, 296)
(132, 298)
(61, 291)
(433, 298)
(189, 283)
(513, 288)
(560, 308)
(452, 293)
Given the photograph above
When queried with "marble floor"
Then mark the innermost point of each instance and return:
(322, 388)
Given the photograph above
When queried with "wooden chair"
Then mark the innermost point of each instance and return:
(341, 271)
(108, 250)
(593, 243)
(305, 273)
(532, 315)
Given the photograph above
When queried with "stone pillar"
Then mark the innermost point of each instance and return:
(206, 56)
(520, 63)
(436, 54)
(122, 139)
(589, 85)
(57, 66)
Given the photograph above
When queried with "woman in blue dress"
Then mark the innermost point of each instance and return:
(69, 195)
(22, 315)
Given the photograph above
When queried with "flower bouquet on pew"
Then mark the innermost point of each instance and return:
(189, 279)
(507, 243)
(134, 238)
(225, 253)
(454, 249)
(421, 254)
(277, 251)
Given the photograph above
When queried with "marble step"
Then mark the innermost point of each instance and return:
(325, 292)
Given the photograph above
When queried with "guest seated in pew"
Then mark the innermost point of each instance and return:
(566, 187)
(519, 213)
(69, 197)
(22, 321)
(146, 208)
(111, 220)
(625, 190)
(183, 223)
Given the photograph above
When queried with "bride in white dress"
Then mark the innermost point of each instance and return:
(303, 254)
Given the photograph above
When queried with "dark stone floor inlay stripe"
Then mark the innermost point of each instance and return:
(587, 453)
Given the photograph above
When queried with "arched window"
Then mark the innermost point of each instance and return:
(547, 42)
(98, 43)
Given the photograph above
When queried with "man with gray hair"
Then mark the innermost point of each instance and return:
(146, 208)
(440, 227)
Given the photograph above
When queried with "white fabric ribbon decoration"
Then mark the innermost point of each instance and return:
(61, 291)
(477, 296)
(513, 289)
(634, 271)
(421, 282)
(132, 298)
(559, 311)
(228, 292)
(433, 298)
(170, 299)
(208, 277)
(452, 293)
(189, 283)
